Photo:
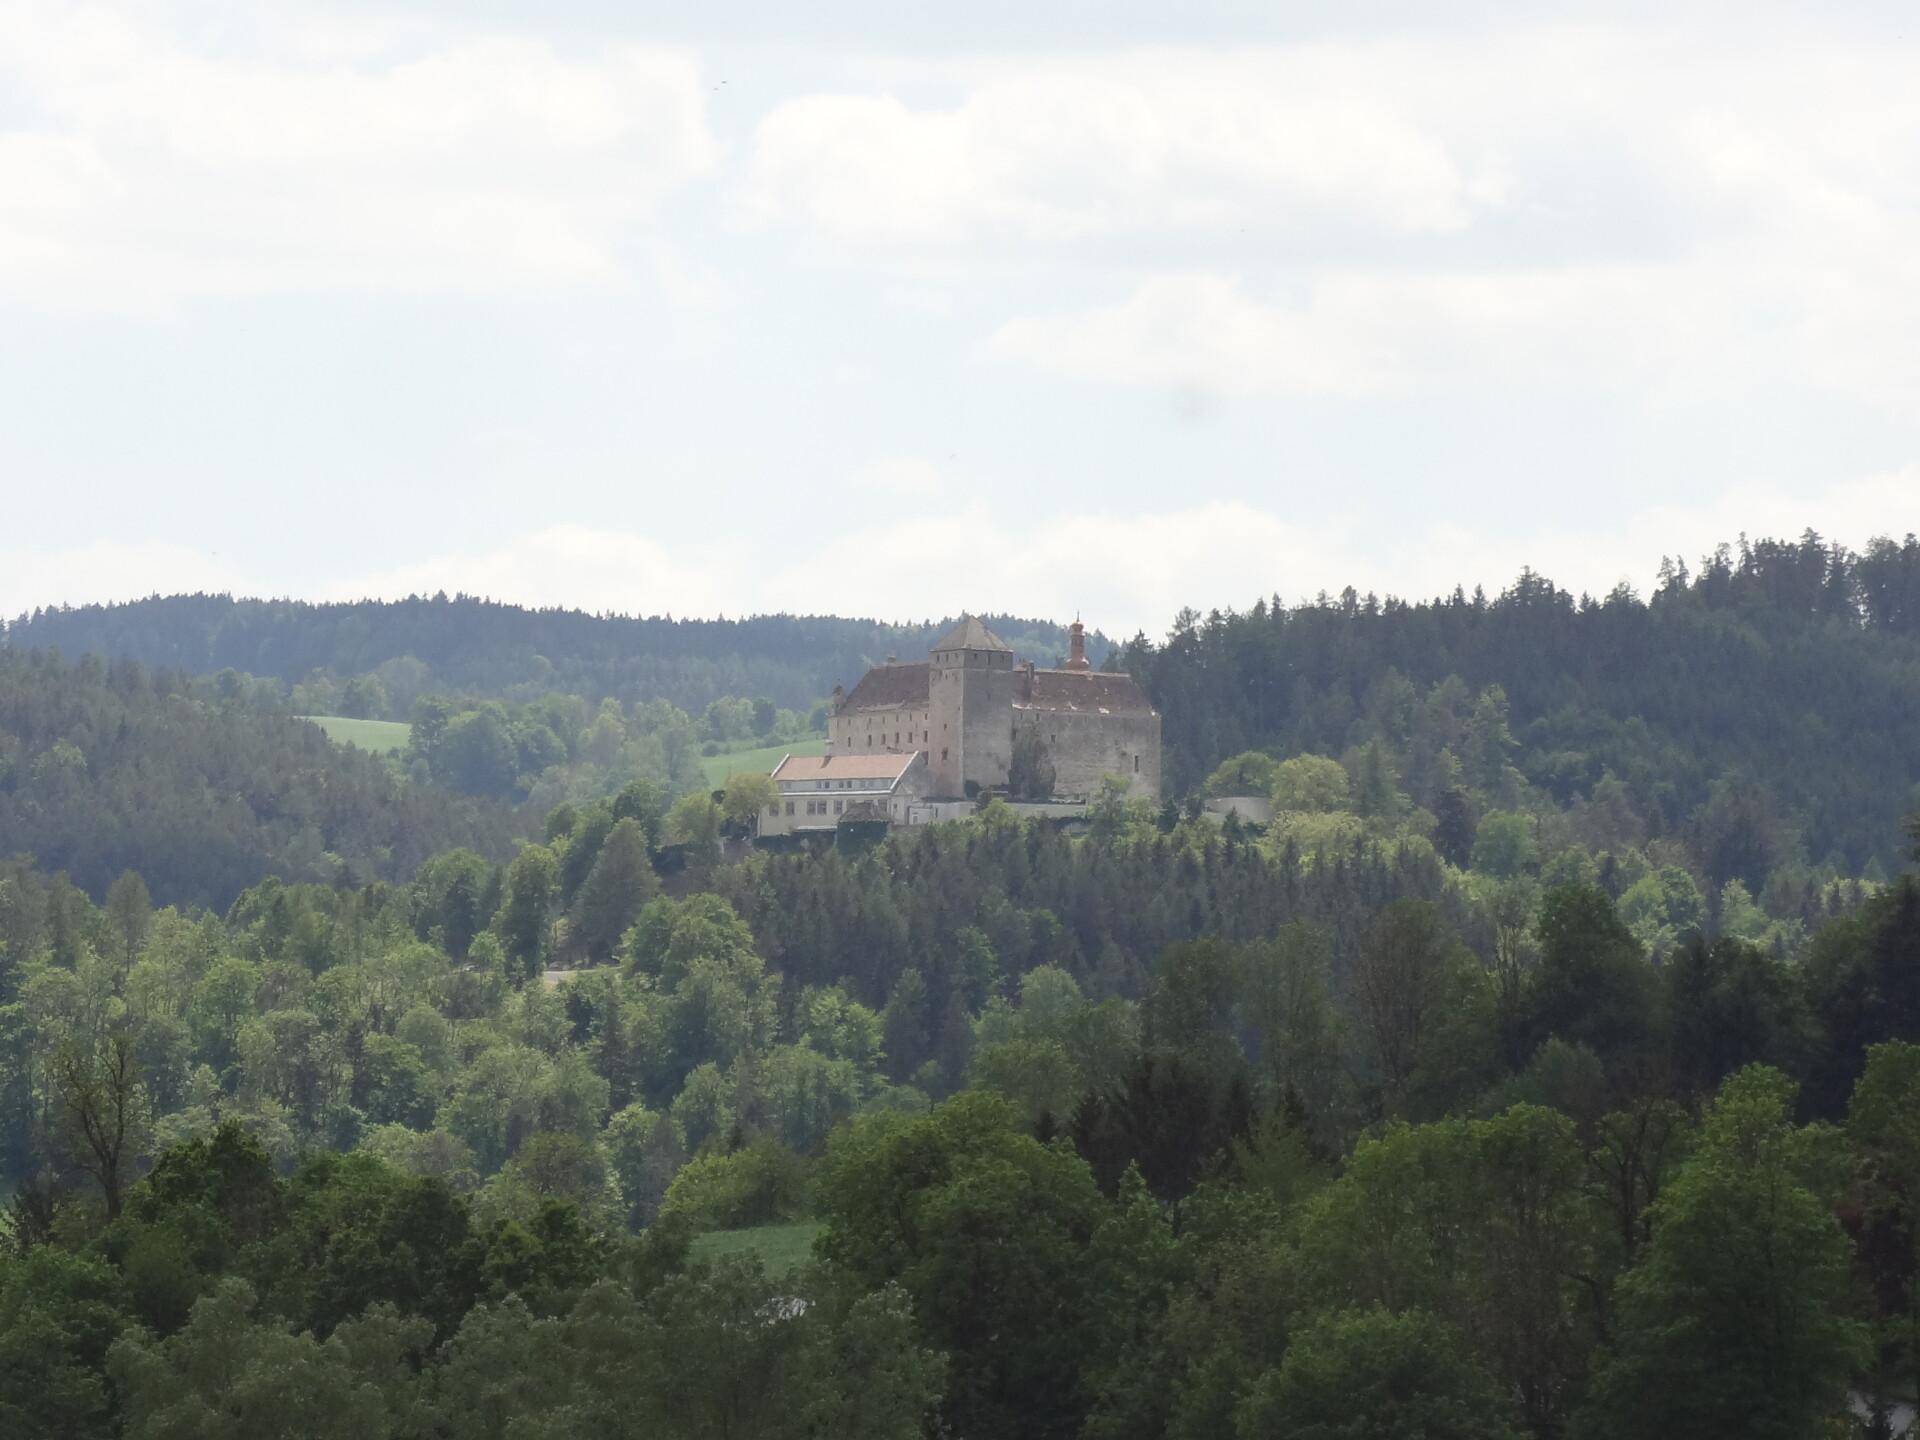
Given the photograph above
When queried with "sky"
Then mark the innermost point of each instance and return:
(901, 310)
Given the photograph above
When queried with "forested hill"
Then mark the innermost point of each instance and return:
(485, 648)
(112, 768)
(1775, 694)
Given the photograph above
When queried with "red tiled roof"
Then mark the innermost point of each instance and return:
(843, 767)
(1087, 690)
(888, 687)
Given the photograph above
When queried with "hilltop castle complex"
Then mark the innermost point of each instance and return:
(965, 704)
(911, 736)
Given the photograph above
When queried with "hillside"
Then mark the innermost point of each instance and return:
(1768, 701)
(111, 768)
(479, 647)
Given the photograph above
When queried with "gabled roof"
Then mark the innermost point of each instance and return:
(1085, 690)
(872, 767)
(887, 687)
(970, 634)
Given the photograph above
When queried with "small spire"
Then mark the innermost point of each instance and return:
(1077, 645)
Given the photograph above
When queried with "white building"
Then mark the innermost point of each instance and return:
(817, 792)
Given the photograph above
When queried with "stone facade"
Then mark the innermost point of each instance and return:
(963, 706)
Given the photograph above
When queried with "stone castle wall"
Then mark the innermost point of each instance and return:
(1086, 747)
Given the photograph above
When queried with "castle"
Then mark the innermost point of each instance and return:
(966, 704)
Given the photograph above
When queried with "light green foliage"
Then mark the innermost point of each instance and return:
(645, 1150)
(1736, 1319)
(806, 1094)
(435, 1153)
(762, 1183)
(1661, 907)
(59, 1313)
(748, 794)
(1317, 833)
(1313, 784)
(695, 823)
(986, 1231)
(554, 1165)
(1250, 773)
(1054, 1047)
(525, 921)
(231, 1376)
(1486, 1223)
(1374, 794)
(1883, 1122)
(1033, 1072)
(1504, 846)
(718, 997)
(704, 1107)
(842, 1029)
(1375, 1375)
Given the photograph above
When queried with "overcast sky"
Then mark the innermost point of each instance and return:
(1111, 308)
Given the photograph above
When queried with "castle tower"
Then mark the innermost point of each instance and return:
(970, 686)
(1077, 646)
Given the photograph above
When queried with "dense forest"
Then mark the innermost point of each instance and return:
(469, 646)
(1788, 669)
(1546, 1066)
(1149, 1132)
(112, 767)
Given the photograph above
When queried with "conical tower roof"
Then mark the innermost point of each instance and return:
(970, 634)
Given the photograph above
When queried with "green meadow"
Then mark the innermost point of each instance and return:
(718, 767)
(381, 737)
(780, 1247)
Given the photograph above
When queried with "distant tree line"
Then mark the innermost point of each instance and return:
(463, 645)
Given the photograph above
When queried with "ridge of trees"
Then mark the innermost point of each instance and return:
(466, 645)
(1784, 669)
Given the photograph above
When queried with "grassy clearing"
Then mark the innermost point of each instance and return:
(382, 737)
(780, 1247)
(718, 767)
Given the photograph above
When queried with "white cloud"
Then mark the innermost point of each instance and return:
(1663, 206)
(109, 570)
(141, 164)
(1355, 334)
(905, 479)
(578, 567)
(1062, 151)
(1123, 571)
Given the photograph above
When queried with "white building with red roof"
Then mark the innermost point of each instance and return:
(819, 792)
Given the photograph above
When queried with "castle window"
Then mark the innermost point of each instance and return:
(1136, 764)
(837, 806)
(789, 807)
(943, 755)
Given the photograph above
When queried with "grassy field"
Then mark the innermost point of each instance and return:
(718, 767)
(382, 737)
(780, 1247)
